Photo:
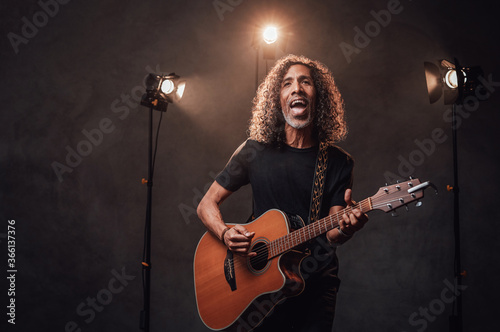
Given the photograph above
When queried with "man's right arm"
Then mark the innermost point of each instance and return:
(238, 238)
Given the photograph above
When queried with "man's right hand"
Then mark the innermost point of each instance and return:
(238, 240)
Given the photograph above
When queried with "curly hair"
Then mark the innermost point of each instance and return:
(267, 124)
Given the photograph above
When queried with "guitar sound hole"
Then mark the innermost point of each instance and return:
(259, 262)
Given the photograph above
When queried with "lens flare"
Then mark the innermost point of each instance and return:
(167, 86)
(270, 35)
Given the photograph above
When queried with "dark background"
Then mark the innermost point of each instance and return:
(84, 68)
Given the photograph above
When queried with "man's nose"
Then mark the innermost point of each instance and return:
(296, 87)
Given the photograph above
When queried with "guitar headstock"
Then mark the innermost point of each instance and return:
(391, 197)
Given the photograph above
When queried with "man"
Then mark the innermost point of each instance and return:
(297, 107)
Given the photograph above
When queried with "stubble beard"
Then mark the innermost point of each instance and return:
(298, 124)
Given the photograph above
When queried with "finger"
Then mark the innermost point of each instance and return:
(360, 215)
(240, 237)
(246, 254)
(345, 224)
(239, 251)
(243, 231)
(353, 219)
(357, 223)
(346, 220)
(347, 197)
(239, 241)
(357, 213)
(341, 224)
(239, 245)
(237, 248)
(232, 236)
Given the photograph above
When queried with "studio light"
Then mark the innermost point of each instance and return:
(451, 80)
(161, 90)
(460, 86)
(266, 41)
(270, 35)
(167, 87)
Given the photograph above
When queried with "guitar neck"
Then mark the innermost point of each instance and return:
(315, 229)
(387, 199)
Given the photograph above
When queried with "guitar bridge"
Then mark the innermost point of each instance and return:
(229, 270)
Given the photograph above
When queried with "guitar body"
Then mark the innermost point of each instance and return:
(237, 293)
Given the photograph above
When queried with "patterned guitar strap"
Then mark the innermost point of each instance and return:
(318, 183)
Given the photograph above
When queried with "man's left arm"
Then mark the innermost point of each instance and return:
(349, 223)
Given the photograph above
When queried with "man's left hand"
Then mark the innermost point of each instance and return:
(354, 221)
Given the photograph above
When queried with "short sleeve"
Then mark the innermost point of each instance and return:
(235, 173)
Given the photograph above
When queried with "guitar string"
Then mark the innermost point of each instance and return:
(291, 240)
(286, 242)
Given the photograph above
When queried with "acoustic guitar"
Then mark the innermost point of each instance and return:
(236, 293)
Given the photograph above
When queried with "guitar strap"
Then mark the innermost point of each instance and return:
(319, 182)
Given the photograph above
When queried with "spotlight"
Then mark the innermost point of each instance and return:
(270, 35)
(161, 90)
(458, 83)
(452, 80)
(167, 87)
(266, 40)
(270, 38)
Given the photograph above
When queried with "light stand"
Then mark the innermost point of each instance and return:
(160, 91)
(146, 263)
(457, 83)
(456, 322)
(267, 39)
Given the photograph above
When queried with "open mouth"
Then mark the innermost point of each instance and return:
(298, 106)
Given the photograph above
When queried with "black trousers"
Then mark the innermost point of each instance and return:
(311, 311)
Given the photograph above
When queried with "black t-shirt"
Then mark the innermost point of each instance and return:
(282, 178)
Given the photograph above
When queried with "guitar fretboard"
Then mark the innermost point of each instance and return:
(311, 231)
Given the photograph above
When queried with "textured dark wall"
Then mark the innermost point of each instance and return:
(83, 69)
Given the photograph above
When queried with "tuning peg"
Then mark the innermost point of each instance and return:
(419, 204)
(394, 214)
(407, 208)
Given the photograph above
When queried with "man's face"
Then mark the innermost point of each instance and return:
(298, 96)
